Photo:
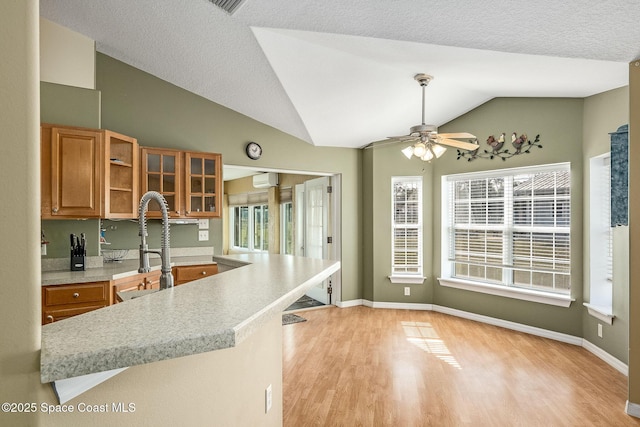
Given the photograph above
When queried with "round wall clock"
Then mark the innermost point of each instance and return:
(254, 151)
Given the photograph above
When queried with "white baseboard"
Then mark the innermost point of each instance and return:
(350, 303)
(612, 361)
(632, 409)
(532, 330)
(570, 339)
(399, 305)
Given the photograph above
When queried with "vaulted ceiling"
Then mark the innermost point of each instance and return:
(340, 73)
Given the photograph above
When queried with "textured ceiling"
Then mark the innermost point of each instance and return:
(340, 73)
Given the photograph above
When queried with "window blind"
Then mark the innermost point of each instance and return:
(407, 226)
(511, 227)
(606, 213)
(254, 198)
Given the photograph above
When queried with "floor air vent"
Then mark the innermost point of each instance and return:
(228, 6)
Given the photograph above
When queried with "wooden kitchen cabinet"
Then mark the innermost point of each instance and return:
(62, 301)
(137, 282)
(71, 173)
(191, 182)
(203, 184)
(122, 168)
(88, 173)
(187, 273)
(161, 172)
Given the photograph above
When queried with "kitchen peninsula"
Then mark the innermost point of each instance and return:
(214, 313)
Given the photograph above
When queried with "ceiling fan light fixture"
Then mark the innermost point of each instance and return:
(419, 149)
(408, 152)
(428, 156)
(438, 150)
(429, 143)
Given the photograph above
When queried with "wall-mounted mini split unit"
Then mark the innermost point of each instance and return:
(265, 180)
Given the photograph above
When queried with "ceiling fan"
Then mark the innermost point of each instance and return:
(428, 142)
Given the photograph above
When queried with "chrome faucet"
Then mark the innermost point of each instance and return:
(166, 278)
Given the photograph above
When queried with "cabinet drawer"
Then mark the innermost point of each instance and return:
(193, 272)
(50, 316)
(137, 282)
(74, 294)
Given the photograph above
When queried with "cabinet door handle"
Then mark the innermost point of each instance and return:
(140, 285)
(177, 212)
(54, 210)
(204, 273)
(50, 318)
(76, 295)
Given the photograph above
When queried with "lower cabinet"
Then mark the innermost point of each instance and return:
(63, 301)
(188, 273)
(137, 282)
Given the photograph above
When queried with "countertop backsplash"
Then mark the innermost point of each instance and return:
(57, 264)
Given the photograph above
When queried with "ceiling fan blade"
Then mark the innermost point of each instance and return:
(389, 141)
(404, 137)
(458, 144)
(459, 135)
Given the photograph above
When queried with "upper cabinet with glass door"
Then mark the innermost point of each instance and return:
(191, 182)
(161, 172)
(203, 184)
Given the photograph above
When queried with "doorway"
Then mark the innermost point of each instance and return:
(310, 215)
(313, 222)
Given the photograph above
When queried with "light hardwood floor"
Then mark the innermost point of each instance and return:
(377, 367)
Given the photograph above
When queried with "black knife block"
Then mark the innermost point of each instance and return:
(77, 262)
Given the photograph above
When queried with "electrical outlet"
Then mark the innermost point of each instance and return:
(203, 224)
(267, 399)
(203, 235)
(600, 330)
(43, 249)
(407, 291)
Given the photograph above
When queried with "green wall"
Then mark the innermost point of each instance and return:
(381, 164)
(69, 105)
(604, 113)
(160, 114)
(559, 123)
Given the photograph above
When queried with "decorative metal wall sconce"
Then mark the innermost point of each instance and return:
(521, 145)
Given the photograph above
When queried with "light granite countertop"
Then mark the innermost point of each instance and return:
(116, 270)
(211, 313)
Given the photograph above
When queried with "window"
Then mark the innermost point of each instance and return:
(600, 302)
(240, 227)
(286, 228)
(250, 228)
(509, 229)
(260, 228)
(406, 238)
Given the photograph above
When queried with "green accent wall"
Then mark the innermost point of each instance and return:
(381, 164)
(123, 234)
(57, 234)
(604, 113)
(559, 123)
(69, 105)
